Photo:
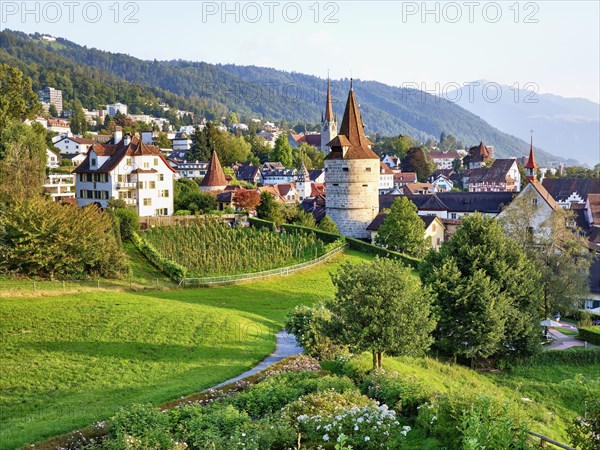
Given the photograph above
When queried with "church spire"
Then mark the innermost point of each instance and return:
(328, 107)
(531, 165)
(352, 124)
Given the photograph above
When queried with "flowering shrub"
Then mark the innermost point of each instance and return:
(404, 392)
(362, 427)
(138, 427)
(300, 363)
(324, 403)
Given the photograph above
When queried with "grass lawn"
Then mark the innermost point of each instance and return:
(68, 360)
(556, 392)
(567, 331)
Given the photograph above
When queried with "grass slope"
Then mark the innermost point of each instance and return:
(550, 395)
(69, 360)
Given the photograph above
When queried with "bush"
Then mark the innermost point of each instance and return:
(473, 422)
(138, 427)
(260, 223)
(361, 246)
(128, 222)
(170, 268)
(585, 431)
(322, 235)
(578, 356)
(324, 404)
(402, 392)
(590, 334)
(266, 398)
(307, 325)
(266, 434)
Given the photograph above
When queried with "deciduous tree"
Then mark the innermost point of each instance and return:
(402, 229)
(381, 307)
(246, 199)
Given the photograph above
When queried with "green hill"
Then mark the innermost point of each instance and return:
(96, 77)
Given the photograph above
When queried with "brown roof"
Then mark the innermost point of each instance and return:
(384, 168)
(562, 188)
(444, 155)
(116, 154)
(214, 173)
(78, 140)
(544, 194)
(479, 153)
(285, 188)
(317, 189)
(497, 173)
(531, 164)
(411, 188)
(405, 177)
(352, 135)
(594, 201)
(57, 123)
(313, 139)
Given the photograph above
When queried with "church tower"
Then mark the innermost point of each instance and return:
(303, 184)
(352, 176)
(328, 122)
(531, 166)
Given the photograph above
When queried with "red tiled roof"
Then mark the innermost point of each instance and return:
(444, 155)
(405, 177)
(317, 189)
(214, 173)
(594, 201)
(479, 153)
(384, 168)
(531, 164)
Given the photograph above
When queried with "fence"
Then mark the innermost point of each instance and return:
(544, 440)
(282, 271)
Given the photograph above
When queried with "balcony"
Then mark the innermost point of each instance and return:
(126, 185)
(130, 201)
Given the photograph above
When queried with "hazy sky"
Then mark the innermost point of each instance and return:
(554, 44)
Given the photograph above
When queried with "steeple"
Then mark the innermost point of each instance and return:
(328, 107)
(214, 179)
(531, 165)
(352, 125)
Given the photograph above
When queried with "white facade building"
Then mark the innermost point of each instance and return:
(113, 108)
(73, 145)
(129, 170)
(60, 186)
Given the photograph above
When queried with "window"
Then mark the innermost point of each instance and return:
(162, 211)
(161, 177)
(156, 161)
(147, 202)
(365, 185)
(93, 163)
(368, 169)
(453, 215)
(146, 165)
(335, 184)
(164, 193)
(128, 161)
(345, 169)
(153, 185)
(433, 227)
(141, 185)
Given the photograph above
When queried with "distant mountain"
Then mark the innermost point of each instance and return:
(566, 127)
(96, 77)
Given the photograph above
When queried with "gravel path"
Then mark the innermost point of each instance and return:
(286, 346)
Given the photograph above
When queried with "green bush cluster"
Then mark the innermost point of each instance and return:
(590, 334)
(260, 223)
(578, 356)
(170, 268)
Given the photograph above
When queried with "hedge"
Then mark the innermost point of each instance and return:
(173, 270)
(260, 223)
(574, 355)
(590, 334)
(357, 244)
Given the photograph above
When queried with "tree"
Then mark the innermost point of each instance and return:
(397, 145)
(268, 209)
(188, 197)
(312, 157)
(204, 142)
(305, 219)
(17, 99)
(457, 165)
(417, 161)
(327, 224)
(78, 121)
(162, 141)
(22, 161)
(283, 151)
(246, 199)
(482, 272)
(52, 110)
(402, 229)
(556, 249)
(233, 149)
(381, 307)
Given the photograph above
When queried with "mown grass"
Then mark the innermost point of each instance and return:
(550, 395)
(69, 360)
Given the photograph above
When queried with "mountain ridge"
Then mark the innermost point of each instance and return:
(250, 91)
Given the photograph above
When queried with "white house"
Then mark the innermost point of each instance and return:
(191, 169)
(442, 184)
(52, 159)
(443, 160)
(75, 158)
(275, 173)
(392, 161)
(73, 145)
(113, 108)
(58, 126)
(60, 186)
(386, 178)
(130, 170)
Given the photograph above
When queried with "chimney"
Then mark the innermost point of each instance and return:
(118, 136)
(127, 139)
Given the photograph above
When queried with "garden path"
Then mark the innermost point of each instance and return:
(563, 341)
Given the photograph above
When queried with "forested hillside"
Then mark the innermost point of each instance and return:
(96, 77)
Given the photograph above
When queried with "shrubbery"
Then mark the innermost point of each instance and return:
(590, 334)
(170, 268)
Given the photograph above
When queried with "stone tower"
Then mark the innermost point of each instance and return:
(328, 122)
(352, 176)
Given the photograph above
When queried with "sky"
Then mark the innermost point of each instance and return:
(550, 46)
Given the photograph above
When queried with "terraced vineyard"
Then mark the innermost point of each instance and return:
(212, 249)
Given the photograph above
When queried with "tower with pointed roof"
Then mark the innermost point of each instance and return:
(214, 180)
(328, 122)
(352, 176)
(303, 182)
(531, 166)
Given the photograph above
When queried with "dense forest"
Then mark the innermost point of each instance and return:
(96, 77)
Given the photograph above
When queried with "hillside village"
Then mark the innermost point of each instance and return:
(353, 186)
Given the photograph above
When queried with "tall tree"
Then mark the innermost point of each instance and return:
(327, 224)
(417, 161)
(480, 258)
(397, 145)
(283, 151)
(17, 99)
(554, 246)
(269, 210)
(79, 123)
(246, 199)
(381, 307)
(402, 229)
